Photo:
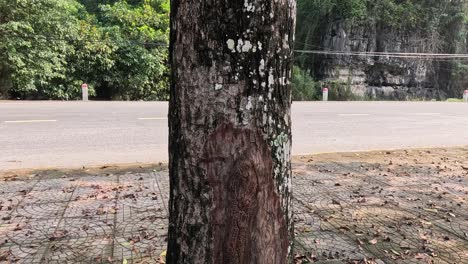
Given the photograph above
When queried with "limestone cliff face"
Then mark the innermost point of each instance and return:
(386, 77)
(383, 77)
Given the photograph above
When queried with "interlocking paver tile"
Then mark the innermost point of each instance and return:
(80, 250)
(41, 211)
(16, 187)
(28, 231)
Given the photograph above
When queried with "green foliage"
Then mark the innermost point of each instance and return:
(304, 86)
(351, 8)
(409, 15)
(341, 91)
(49, 47)
(140, 71)
(455, 100)
(34, 60)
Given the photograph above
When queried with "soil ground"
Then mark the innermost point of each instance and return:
(405, 206)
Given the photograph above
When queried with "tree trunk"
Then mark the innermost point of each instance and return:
(230, 131)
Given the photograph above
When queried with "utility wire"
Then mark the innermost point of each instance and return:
(387, 54)
(413, 55)
(403, 55)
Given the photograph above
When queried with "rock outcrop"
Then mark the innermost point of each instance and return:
(388, 77)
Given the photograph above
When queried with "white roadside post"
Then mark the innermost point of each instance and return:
(465, 96)
(84, 90)
(325, 94)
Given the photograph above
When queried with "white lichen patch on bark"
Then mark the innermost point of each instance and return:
(282, 81)
(231, 45)
(271, 78)
(240, 43)
(270, 121)
(249, 104)
(261, 68)
(249, 7)
(285, 43)
(282, 146)
(218, 87)
(247, 46)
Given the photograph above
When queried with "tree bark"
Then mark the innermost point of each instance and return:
(230, 131)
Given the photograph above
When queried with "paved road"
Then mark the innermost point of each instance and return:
(73, 134)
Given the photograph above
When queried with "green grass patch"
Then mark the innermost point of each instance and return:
(454, 100)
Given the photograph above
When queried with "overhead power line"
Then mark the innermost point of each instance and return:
(320, 50)
(403, 55)
(387, 54)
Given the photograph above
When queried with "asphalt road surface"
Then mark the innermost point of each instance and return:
(74, 134)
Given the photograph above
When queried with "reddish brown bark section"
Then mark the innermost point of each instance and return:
(247, 220)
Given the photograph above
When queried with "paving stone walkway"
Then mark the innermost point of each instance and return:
(89, 219)
(383, 207)
(395, 207)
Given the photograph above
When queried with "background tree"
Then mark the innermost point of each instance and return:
(140, 34)
(49, 47)
(230, 131)
(34, 44)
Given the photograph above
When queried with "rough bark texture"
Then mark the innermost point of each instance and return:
(230, 131)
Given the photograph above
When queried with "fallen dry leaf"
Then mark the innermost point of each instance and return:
(336, 202)
(162, 257)
(420, 256)
(432, 210)
(4, 255)
(58, 235)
